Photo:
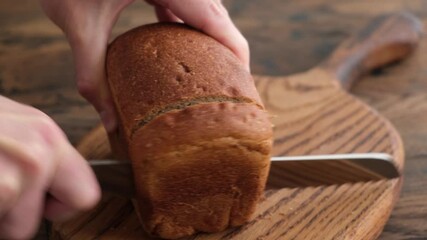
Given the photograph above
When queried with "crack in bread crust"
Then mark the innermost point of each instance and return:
(187, 103)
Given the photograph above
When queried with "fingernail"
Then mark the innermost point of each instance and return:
(108, 119)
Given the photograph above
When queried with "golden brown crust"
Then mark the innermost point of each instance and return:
(157, 65)
(193, 125)
(203, 168)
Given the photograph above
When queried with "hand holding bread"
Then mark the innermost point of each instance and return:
(87, 26)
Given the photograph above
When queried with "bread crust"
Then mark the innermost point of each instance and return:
(158, 65)
(194, 127)
(204, 168)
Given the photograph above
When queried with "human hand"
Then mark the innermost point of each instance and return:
(88, 24)
(40, 172)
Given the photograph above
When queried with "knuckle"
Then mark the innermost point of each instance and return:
(30, 149)
(49, 130)
(35, 165)
(42, 152)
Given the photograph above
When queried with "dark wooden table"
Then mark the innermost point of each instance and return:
(285, 37)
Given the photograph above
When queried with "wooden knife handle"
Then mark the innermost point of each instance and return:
(386, 39)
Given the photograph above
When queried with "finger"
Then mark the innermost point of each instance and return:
(91, 79)
(34, 165)
(165, 15)
(88, 36)
(212, 18)
(74, 186)
(9, 106)
(21, 221)
(10, 184)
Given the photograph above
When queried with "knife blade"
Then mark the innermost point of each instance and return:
(286, 171)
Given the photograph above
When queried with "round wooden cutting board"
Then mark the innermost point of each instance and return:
(312, 114)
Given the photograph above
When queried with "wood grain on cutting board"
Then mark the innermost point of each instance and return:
(312, 114)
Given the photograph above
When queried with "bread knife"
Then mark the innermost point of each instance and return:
(116, 176)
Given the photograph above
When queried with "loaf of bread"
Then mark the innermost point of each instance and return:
(194, 127)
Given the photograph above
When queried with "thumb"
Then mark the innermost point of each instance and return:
(88, 31)
(89, 63)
